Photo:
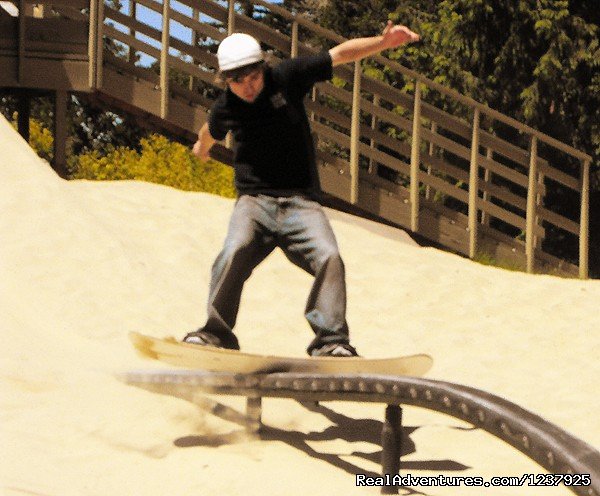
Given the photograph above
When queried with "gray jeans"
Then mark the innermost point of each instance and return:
(300, 228)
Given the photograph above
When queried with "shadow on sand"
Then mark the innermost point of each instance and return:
(345, 428)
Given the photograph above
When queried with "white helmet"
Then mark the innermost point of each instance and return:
(238, 50)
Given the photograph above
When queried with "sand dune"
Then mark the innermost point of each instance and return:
(82, 263)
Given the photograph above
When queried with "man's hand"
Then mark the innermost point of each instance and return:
(198, 152)
(394, 36)
(358, 48)
(205, 142)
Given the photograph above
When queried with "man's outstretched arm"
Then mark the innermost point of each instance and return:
(359, 48)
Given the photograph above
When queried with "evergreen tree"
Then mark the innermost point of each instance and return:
(533, 60)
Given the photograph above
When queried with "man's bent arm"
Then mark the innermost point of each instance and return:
(359, 48)
(204, 144)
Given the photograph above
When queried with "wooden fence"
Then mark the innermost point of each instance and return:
(430, 159)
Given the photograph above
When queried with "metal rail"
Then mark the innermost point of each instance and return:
(547, 444)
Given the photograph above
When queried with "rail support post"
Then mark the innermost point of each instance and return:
(253, 414)
(391, 444)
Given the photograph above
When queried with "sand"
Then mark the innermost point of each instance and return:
(82, 263)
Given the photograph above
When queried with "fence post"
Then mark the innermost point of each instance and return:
(230, 30)
(429, 191)
(531, 206)
(59, 161)
(24, 113)
(99, 43)
(374, 125)
(93, 44)
(21, 35)
(164, 62)
(355, 134)
(415, 159)
(584, 221)
(539, 201)
(230, 17)
(294, 48)
(314, 95)
(474, 186)
(195, 39)
(487, 179)
(132, 32)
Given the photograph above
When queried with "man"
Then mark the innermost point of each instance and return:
(277, 184)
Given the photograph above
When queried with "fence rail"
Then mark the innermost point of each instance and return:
(404, 144)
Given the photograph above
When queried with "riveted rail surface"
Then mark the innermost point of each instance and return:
(547, 444)
(452, 176)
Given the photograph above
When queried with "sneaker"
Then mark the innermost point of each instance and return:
(202, 338)
(335, 350)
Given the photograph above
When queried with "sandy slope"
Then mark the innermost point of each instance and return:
(83, 263)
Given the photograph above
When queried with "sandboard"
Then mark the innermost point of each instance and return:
(192, 356)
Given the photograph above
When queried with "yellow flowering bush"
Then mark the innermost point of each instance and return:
(40, 138)
(159, 161)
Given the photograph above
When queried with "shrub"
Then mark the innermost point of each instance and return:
(159, 161)
(40, 138)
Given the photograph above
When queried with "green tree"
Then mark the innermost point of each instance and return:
(533, 60)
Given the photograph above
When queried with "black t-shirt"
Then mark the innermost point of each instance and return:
(273, 148)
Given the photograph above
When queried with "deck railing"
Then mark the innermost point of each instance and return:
(429, 150)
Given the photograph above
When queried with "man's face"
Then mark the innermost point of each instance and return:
(248, 86)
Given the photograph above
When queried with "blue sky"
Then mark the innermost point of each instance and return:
(147, 16)
(154, 19)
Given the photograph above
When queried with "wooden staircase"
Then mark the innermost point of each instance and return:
(396, 156)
